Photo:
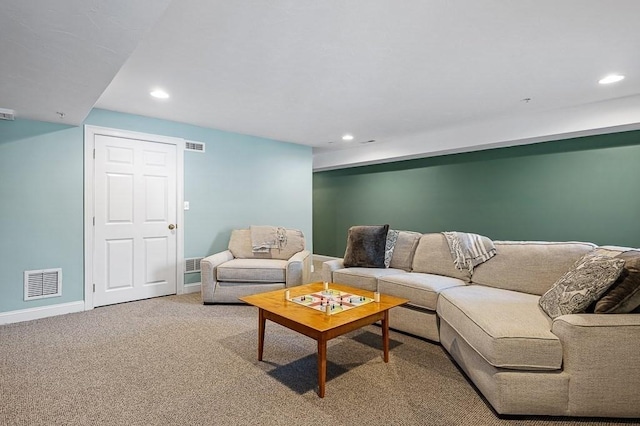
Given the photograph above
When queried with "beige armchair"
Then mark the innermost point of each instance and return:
(241, 270)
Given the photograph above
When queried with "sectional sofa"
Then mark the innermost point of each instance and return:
(490, 322)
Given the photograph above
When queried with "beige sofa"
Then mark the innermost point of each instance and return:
(239, 271)
(490, 322)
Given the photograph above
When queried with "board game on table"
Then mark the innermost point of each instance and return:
(336, 300)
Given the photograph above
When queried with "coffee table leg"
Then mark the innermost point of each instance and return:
(322, 366)
(385, 335)
(261, 323)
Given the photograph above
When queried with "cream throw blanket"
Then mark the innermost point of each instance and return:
(469, 250)
(265, 238)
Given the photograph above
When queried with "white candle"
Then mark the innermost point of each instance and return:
(326, 285)
(376, 296)
(286, 295)
(327, 309)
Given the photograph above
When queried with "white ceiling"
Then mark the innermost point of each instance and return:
(420, 77)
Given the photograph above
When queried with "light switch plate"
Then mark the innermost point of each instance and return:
(186, 205)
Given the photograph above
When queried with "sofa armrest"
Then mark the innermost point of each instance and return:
(298, 268)
(601, 350)
(208, 273)
(328, 267)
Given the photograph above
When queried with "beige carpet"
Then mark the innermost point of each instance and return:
(174, 361)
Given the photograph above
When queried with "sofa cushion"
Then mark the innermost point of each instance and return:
(506, 328)
(404, 250)
(366, 246)
(253, 270)
(624, 295)
(529, 266)
(240, 245)
(421, 289)
(581, 286)
(365, 278)
(432, 256)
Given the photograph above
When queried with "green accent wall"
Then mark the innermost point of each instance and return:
(582, 189)
(240, 180)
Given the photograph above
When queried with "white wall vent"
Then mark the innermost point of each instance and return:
(7, 114)
(43, 283)
(194, 146)
(192, 264)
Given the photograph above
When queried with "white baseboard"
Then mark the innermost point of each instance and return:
(192, 288)
(41, 312)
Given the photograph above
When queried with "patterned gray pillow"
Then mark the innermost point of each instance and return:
(580, 287)
(392, 239)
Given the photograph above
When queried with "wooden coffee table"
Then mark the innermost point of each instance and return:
(316, 324)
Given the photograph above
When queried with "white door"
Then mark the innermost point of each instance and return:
(135, 242)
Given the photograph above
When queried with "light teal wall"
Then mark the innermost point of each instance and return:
(583, 189)
(41, 209)
(240, 180)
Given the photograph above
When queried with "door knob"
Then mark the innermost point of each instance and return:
(172, 226)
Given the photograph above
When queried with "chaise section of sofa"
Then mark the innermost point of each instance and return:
(506, 328)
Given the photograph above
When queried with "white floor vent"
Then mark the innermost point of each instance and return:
(192, 264)
(194, 146)
(43, 283)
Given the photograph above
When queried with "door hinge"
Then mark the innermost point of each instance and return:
(94, 287)
(94, 221)
(94, 153)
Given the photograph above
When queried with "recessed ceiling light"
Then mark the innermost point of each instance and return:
(613, 78)
(347, 137)
(160, 94)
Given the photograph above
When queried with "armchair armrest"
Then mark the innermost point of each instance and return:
(329, 266)
(601, 350)
(208, 273)
(298, 268)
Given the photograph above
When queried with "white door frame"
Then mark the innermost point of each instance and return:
(90, 133)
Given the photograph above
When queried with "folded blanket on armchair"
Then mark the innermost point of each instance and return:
(265, 238)
(469, 250)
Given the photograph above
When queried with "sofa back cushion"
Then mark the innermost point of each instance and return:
(240, 245)
(404, 250)
(529, 266)
(433, 256)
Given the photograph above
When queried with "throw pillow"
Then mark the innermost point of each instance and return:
(624, 295)
(581, 286)
(365, 246)
(392, 239)
(402, 257)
